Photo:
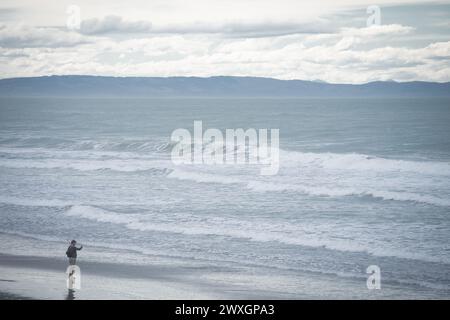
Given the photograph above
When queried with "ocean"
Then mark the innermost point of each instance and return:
(361, 182)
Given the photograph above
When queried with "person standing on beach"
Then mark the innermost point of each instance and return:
(72, 252)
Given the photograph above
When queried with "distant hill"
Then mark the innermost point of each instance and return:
(222, 86)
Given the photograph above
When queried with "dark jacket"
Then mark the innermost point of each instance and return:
(72, 251)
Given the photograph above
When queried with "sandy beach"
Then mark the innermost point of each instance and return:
(44, 278)
(33, 277)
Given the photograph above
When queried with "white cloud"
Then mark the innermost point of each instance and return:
(252, 43)
(114, 24)
(19, 36)
(350, 37)
(117, 25)
(377, 30)
(282, 57)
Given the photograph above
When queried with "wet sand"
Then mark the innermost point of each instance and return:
(36, 277)
(45, 278)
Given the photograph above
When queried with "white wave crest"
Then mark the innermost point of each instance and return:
(317, 236)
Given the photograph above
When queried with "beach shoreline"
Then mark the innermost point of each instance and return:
(32, 277)
(37, 277)
(25, 277)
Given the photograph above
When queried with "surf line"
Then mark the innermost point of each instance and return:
(237, 146)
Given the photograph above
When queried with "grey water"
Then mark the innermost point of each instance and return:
(361, 182)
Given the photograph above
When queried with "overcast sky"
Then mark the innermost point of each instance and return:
(324, 40)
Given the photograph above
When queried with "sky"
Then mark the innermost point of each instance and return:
(347, 41)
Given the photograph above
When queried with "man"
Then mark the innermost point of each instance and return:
(72, 252)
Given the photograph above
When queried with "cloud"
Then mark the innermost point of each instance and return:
(284, 57)
(247, 29)
(114, 24)
(310, 48)
(8, 13)
(356, 36)
(118, 25)
(377, 30)
(22, 36)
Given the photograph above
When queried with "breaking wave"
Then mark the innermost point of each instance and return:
(263, 231)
